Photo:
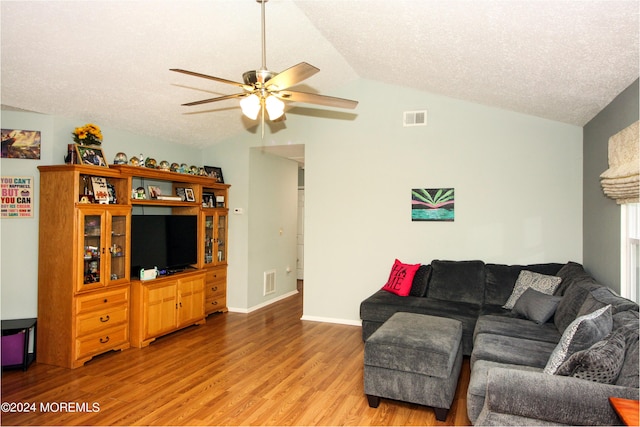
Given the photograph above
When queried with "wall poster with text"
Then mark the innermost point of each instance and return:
(17, 197)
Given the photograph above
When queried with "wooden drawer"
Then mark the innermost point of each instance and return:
(215, 304)
(216, 275)
(101, 300)
(99, 320)
(215, 290)
(106, 340)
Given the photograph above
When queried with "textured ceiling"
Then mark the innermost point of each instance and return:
(108, 61)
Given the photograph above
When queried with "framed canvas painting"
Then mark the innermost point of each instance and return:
(432, 204)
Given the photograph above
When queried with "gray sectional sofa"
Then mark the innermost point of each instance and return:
(509, 349)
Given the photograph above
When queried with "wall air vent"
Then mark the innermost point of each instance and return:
(414, 118)
(269, 282)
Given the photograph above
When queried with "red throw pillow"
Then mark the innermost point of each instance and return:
(401, 278)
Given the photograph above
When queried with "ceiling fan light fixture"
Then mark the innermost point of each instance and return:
(250, 106)
(274, 106)
(264, 91)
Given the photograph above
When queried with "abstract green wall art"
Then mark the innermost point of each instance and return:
(432, 204)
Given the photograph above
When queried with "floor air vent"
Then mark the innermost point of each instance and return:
(415, 118)
(269, 282)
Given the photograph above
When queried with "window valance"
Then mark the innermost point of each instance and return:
(621, 181)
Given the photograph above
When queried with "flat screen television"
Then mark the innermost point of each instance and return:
(169, 242)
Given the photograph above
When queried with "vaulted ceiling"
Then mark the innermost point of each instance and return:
(108, 61)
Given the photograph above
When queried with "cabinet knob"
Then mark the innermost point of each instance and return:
(104, 340)
(215, 288)
(104, 319)
(215, 303)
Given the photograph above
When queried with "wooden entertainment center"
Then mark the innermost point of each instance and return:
(88, 302)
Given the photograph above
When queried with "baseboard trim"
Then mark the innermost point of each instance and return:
(331, 320)
(262, 305)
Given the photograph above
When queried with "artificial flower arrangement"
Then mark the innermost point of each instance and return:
(88, 134)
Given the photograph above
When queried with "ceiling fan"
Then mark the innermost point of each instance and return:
(266, 90)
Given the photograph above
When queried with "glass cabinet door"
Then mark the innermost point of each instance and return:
(92, 225)
(221, 239)
(215, 238)
(209, 238)
(119, 260)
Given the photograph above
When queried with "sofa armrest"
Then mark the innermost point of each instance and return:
(552, 398)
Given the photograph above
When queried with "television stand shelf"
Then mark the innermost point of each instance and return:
(164, 305)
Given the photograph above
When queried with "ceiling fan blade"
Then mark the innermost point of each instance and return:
(217, 79)
(282, 118)
(292, 76)
(219, 98)
(312, 98)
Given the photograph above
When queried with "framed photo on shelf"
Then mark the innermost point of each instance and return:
(189, 195)
(215, 173)
(90, 155)
(100, 189)
(112, 193)
(181, 193)
(154, 191)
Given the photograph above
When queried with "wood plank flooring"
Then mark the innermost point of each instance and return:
(264, 368)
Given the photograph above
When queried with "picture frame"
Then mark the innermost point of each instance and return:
(91, 155)
(433, 204)
(112, 193)
(215, 173)
(181, 193)
(100, 189)
(189, 195)
(21, 144)
(154, 191)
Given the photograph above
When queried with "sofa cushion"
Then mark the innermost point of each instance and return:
(574, 289)
(570, 273)
(478, 384)
(602, 296)
(580, 334)
(511, 350)
(401, 278)
(600, 363)
(536, 306)
(500, 279)
(517, 328)
(461, 281)
(627, 323)
(528, 279)
(421, 281)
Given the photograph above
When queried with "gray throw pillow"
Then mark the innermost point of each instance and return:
(528, 279)
(600, 363)
(536, 306)
(580, 334)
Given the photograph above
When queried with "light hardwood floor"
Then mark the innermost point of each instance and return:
(263, 368)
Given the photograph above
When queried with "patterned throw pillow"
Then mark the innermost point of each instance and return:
(401, 278)
(582, 333)
(528, 279)
(600, 363)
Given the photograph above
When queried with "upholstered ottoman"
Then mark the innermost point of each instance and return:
(414, 358)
